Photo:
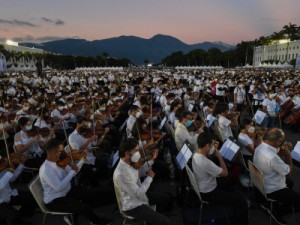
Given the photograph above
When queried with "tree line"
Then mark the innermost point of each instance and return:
(239, 56)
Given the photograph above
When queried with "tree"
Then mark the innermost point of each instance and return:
(292, 31)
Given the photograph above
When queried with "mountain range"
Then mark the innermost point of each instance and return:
(134, 48)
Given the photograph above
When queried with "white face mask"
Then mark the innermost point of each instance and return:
(136, 157)
(25, 108)
(251, 130)
(70, 105)
(211, 150)
(102, 108)
(60, 108)
(138, 114)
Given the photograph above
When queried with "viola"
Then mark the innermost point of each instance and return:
(44, 132)
(14, 159)
(64, 111)
(33, 132)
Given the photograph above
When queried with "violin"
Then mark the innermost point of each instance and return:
(13, 158)
(65, 159)
(64, 111)
(33, 132)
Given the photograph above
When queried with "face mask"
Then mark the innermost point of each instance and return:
(102, 108)
(138, 114)
(251, 130)
(60, 108)
(70, 105)
(26, 108)
(136, 157)
(270, 96)
(28, 127)
(211, 150)
(189, 123)
(89, 124)
(241, 86)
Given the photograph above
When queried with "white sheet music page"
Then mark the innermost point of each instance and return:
(296, 152)
(229, 149)
(210, 119)
(162, 123)
(115, 158)
(259, 117)
(183, 156)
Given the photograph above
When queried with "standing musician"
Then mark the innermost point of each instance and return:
(60, 196)
(24, 143)
(10, 197)
(134, 201)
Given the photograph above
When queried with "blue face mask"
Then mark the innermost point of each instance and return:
(188, 123)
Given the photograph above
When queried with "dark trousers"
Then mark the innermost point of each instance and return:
(285, 196)
(80, 201)
(8, 212)
(144, 213)
(223, 198)
(162, 200)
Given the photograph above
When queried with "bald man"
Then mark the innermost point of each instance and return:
(274, 160)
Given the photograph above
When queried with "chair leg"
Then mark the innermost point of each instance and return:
(294, 216)
(200, 213)
(271, 212)
(124, 221)
(72, 218)
(44, 219)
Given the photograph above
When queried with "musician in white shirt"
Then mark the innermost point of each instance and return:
(134, 201)
(59, 195)
(12, 197)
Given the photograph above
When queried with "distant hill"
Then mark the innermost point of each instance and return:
(134, 48)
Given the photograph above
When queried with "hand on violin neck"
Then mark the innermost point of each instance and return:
(75, 168)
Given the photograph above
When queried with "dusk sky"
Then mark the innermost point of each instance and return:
(192, 21)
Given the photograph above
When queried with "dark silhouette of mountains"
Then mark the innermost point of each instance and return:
(134, 48)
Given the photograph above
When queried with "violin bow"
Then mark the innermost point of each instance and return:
(144, 153)
(5, 142)
(70, 148)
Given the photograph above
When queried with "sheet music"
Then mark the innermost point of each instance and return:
(229, 149)
(183, 156)
(210, 119)
(191, 106)
(162, 124)
(115, 158)
(259, 117)
(296, 152)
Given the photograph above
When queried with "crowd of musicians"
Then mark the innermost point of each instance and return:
(69, 128)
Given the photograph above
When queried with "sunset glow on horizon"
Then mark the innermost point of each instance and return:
(191, 21)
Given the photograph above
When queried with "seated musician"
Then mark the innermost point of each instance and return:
(24, 112)
(59, 195)
(181, 132)
(134, 114)
(246, 137)
(25, 144)
(273, 158)
(11, 197)
(206, 172)
(78, 141)
(134, 201)
(226, 120)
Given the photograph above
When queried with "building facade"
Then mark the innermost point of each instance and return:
(282, 51)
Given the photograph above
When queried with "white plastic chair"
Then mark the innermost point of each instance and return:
(196, 189)
(257, 179)
(36, 190)
(123, 214)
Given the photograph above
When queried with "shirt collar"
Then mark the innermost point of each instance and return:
(270, 147)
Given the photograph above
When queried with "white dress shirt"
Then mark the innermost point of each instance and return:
(5, 178)
(76, 140)
(34, 149)
(56, 181)
(224, 127)
(182, 134)
(205, 172)
(130, 122)
(272, 167)
(245, 140)
(127, 179)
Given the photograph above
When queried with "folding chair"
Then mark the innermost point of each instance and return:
(202, 202)
(123, 214)
(36, 190)
(257, 179)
